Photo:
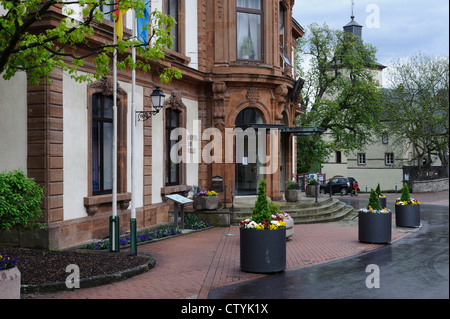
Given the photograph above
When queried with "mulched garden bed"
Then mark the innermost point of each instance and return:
(43, 266)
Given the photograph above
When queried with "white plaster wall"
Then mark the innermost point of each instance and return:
(13, 122)
(77, 10)
(157, 156)
(156, 5)
(334, 169)
(192, 127)
(371, 177)
(192, 33)
(139, 147)
(76, 153)
(158, 150)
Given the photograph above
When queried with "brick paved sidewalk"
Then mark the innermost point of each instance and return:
(189, 266)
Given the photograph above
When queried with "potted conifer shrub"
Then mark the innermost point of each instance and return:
(374, 222)
(262, 238)
(407, 210)
(381, 197)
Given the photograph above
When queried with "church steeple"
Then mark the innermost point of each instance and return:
(353, 26)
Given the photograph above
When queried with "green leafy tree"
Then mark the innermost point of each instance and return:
(340, 93)
(374, 202)
(74, 39)
(417, 106)
(261, 211)
(20, 202)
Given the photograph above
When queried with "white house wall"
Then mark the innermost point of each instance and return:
(157, 156)
(76, 152)
(192, 34)
(139, 139)
(158, 150)
(387, 178)
(192, 117)
(13, 122)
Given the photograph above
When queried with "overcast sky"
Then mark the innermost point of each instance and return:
(401, 29)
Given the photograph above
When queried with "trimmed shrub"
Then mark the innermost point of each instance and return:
(20, 202)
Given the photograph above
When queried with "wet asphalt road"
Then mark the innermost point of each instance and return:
(416, 267)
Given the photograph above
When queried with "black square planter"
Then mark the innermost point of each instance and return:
(263, 251)
(375, 228)
(407, 216)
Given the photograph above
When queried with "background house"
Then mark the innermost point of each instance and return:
(389, 161)
(377, 163)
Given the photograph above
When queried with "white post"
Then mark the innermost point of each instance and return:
(114, 225)
(133, 147)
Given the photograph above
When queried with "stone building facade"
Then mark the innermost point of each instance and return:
(52, 130)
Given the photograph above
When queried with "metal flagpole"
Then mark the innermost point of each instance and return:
(133, 146)
(114, 220)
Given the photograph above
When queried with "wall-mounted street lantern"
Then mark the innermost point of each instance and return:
(158, 99)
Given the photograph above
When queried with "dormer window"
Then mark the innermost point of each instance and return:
(249, 29)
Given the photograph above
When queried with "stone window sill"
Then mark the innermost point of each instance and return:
(92, 203)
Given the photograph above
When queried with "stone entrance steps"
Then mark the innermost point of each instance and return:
(306, 211)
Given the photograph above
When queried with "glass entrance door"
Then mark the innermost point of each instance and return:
(247, 164)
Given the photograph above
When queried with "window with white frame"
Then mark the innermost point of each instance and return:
(361, 158)
(389, 159)
(171, 8)
(249, 29)
(385, 138)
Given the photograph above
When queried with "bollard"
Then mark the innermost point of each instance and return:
(114, 233)
(133, 237)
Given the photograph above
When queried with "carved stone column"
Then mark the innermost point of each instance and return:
(220, 103)
(219, 96)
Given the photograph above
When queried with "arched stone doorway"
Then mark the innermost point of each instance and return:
(247, 165)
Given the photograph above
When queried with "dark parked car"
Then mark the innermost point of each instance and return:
(339, 184)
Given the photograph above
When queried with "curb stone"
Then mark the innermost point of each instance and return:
(91, 281)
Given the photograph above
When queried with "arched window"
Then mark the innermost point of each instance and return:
(249, 116)
(100, 117)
